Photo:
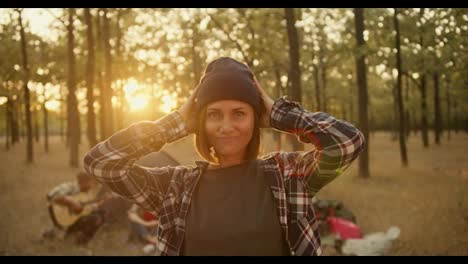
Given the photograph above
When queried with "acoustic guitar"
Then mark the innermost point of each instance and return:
(63, 216)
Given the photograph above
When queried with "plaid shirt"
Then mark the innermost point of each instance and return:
(294, 177)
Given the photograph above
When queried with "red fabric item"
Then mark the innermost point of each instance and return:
(343, 228)
(148, 216)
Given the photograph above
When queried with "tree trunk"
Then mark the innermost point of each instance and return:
(43, 105)
(23, 126)
(415, 126)
(73, 115)
(36, 124)
(100, 81)
(61, 117)
(46, 127)
(91, 117)
(27, 104)
(295, 72)
(351, 101)
(362, 93)
(324, 85)
(407, 111)
(317, 87)
(109, 117)
(118, 117)
(447, 97)
(8, 115)
(437, 112)
(401, 128)
(394, 126)
(15, 134)
(424, 124)
(196, 65)
(455, 117)
(277, 134)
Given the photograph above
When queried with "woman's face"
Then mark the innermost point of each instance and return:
(229, 127)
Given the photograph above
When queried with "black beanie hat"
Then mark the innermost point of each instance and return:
(227, 79)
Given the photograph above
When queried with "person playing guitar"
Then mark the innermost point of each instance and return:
(74, 207)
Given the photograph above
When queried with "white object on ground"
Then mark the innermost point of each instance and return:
(374, 244)
(148, 249)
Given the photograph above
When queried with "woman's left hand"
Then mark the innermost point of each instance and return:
(267, 104)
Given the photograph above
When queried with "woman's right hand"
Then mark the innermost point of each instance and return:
(188, 111)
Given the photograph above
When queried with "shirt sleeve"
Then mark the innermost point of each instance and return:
(336, 144)
(112, 162)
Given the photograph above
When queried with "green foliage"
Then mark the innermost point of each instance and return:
(169, 48)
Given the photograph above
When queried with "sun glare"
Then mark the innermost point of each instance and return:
(138, 102)
(41, 21)
(135, 99)
(168, 103)
(53, 105)
(131, 87)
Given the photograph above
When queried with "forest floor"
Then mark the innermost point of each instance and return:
(428, 201)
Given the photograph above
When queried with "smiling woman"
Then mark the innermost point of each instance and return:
(256, 197)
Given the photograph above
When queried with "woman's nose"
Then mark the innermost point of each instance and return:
(226, 126)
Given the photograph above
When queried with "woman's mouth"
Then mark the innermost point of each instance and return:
(226, 139)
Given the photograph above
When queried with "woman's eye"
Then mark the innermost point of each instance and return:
(212, 115)
(239, 114)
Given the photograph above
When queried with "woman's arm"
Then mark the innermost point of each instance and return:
(336, 144)
(111, 162)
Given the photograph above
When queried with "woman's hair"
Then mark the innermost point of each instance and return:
(203, 146)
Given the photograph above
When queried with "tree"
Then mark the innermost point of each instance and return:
(437, 111)
(295, 72)
(91, 117)
(447, 98)
(424, 123)
(119, 111)
(46, 123)
(362, 86)
(107, 113)
(401, 117)
(73, 120)
(27, 104)
(8, 123)
(99, 77)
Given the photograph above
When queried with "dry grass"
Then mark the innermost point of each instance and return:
(428, 200)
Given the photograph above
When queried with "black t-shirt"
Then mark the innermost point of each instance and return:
(232, 213)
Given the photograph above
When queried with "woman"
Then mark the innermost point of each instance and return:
(235, 203)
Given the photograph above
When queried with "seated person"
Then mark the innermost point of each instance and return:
(74, 208)
(142, 225)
